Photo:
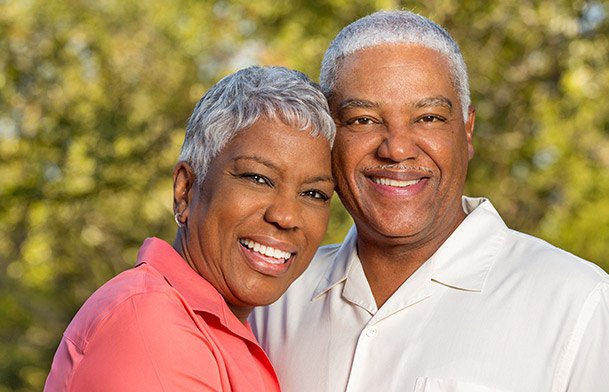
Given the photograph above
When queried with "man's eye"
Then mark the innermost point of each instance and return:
(430, 118)
(316, 195)
(361, 121)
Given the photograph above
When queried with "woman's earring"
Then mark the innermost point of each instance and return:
(178, 217)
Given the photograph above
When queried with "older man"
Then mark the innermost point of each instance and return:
(430, 291)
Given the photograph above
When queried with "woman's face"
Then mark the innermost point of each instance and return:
(260, 214)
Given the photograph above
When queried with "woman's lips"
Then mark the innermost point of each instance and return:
(277, 256)
(266, 259)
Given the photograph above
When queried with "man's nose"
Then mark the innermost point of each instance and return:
(398, 144)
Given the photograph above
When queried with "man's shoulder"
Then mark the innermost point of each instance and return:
(526, 256)
(326, 254)
(541, 259)
(302, 290)
(322, 259)
(297, 305)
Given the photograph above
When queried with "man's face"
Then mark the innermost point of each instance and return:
(402, 148)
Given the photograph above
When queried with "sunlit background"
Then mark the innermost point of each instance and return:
(94, 96)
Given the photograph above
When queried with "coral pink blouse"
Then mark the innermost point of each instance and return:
(159, 327)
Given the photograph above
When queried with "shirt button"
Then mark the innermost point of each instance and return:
(372, 332)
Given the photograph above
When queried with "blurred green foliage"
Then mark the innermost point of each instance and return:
(94, 96)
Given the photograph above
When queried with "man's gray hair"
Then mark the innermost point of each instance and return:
(239, 100)
(395, 27)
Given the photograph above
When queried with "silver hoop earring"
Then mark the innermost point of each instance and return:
(177, 217)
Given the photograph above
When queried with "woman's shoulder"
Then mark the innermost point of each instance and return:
(140, 330)
(118, 300)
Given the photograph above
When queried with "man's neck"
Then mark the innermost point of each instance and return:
(389, 262)
(387, 268)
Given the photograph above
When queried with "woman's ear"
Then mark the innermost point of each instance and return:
(184, 180)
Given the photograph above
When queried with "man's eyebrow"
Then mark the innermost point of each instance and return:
(356, 103)
(434, 101)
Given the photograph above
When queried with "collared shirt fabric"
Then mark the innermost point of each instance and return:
(492, 310)
(159, 327)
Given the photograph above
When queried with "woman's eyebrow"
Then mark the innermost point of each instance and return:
(328, 179)
(257, 159)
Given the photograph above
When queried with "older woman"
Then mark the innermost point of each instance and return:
(251, 200)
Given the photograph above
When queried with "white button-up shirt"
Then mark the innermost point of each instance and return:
(492, 310)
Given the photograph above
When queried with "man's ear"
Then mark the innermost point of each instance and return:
(469, 130)
(184, 180)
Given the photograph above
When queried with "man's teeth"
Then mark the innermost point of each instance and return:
(390, 182)
(266, 250)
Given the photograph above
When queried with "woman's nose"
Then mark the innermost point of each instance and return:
(283, 212)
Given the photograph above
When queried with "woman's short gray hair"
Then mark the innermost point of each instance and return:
(395, 27)
(239, 100)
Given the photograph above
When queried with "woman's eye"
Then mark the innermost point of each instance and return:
(257, 178)
(316, 195)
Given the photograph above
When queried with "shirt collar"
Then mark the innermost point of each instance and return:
(198, 292)
(462, 262)
(467, 256)
(338, 270)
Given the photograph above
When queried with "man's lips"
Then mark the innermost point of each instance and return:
(398, 181)
(395, 183)
(397, 175)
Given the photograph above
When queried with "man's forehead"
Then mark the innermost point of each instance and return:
(394, 57)
(346, 104)
(389, 49)
(370, 64)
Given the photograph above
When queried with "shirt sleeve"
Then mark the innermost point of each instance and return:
(149, 342)
(587, 357)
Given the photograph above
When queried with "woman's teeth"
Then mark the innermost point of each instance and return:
(266, 250)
